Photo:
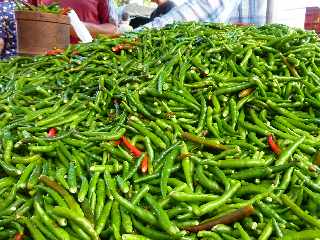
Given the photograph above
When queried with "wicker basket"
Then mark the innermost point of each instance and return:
(39, 32)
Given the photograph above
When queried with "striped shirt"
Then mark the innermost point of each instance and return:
(224, 11)
(113, 13)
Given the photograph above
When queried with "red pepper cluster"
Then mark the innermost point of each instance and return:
(65, 11)
(135, 151)
(54, 52)
(122, 46)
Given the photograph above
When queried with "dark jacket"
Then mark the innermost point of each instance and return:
(158, 12)
(162, 9)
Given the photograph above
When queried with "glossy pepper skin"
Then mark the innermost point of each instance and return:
(52, 132)
(54, 52)
(273, 145)
(135, 151)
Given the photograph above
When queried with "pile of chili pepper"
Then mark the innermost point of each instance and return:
(195, 131)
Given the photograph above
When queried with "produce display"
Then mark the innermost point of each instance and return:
(53, 8)
(194, 131)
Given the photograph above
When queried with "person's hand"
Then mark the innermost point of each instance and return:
(114, 35)
(1, 44)
(101, 29)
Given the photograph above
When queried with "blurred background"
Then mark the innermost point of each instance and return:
(289, 12)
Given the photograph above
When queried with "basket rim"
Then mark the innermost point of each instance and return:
(41, 17)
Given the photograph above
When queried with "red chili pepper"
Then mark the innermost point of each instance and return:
(144, 164)
(117, 142)
(116, 49)
(54, 52)
(135, 151)
(75, 52)
(273, 145)
(18, 236)
(52, 132)
(119, 47)
(50, 52)
(65, 11)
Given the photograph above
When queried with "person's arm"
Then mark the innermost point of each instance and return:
(1, 45)
(197, 10)
(105, 28)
